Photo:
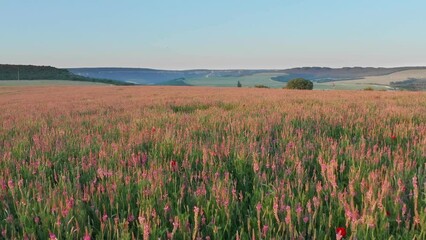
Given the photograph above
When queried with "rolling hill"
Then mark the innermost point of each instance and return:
(324, 78)
(154, 76)
(411, 78)
(30, 73)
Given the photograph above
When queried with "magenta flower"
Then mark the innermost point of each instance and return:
(104, 217)
(86, 236)
(130, 218)
(306, 219)
(52, 236)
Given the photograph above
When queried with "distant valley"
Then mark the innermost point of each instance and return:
(324, 78)
(354, 78)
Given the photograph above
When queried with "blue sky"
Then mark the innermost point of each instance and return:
(220, 34)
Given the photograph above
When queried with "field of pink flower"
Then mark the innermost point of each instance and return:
(211, 163)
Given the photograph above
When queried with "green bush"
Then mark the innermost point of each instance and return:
(300, 83)
(260, 86)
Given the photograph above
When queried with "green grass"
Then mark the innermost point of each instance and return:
(347, 86)
(246, 81)
(265, 79)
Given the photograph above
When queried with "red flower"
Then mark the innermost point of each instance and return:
(340, 232)
(153, 130)
(173, 165)
(393, 137)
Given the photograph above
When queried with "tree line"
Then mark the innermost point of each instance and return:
(31, 72)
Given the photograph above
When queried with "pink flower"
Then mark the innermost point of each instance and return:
(86, 236)
(306, 219)
(10, 184)
(130, 218)
(166, 208)
(9, 218)
(265, 230)
(52, 236)
(36, 220)
(104, 217)
(258, 207)
(299, 209)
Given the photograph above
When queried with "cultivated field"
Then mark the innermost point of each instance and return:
(211, 163)
(265, 79)
(387, 79)
(246, 81)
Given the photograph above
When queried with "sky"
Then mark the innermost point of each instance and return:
(219, 34)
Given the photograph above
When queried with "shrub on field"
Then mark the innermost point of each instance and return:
(368, 89)
(260, 86)
(300, 83)
(239, 84)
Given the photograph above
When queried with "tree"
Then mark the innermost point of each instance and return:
(300, 83)
(239, 84)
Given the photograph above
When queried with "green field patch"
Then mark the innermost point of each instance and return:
(189, 108)
(246, 81)
(225, 106)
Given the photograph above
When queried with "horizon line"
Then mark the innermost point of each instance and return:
(223, 69)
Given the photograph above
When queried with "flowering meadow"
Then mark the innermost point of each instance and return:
(211, 163)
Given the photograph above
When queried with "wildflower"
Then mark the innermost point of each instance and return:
(306, 219)
(175, 225)
(393, 137)
(265, 230)
(130, 218)
(37, 220)
(340, 232)
(10, 184)
(196, 213)
(173, 165)
(299, 209)
(153, 130)
(256, 166)
(258, 206)
(9, 218)
(166, 208)
(146, 231)
(86, 236)
(52, 236)
(276, 208)
(104, 217)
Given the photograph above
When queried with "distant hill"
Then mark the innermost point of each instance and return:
(319, 74)
(324, 78)
(175, 82)
(31, 72)
(155, 76)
